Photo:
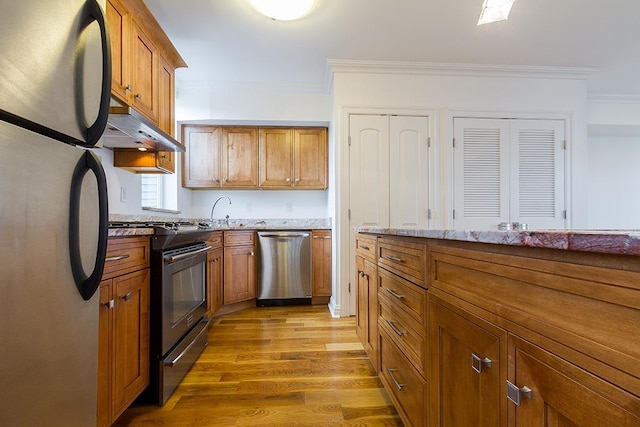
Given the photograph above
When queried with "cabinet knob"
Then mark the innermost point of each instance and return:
(477, 363)
(128, 88)
(126, 297)
(251, 253)
(109, 304)
(515, 393)
(288, 179)
(138, 96)
(297, 180)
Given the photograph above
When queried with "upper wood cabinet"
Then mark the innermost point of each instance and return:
(239, 157)
(144, 161)
(293, 158)
(144, 62)
(201, 160)
(256, 157)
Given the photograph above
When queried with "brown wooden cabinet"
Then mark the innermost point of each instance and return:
(251, 157)
(214, 272)
(144, 76)
(166, 95)
(201, 160)
(137, 161)
(239, 157)
(367, 296)
(468, 368)
(321, 265)
(123, 336)
(119, 19)
(293, 158)
(239, 266)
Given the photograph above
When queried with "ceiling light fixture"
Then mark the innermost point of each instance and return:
(495, 10)
(283, 10)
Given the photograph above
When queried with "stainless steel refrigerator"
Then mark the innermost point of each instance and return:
(54, 96)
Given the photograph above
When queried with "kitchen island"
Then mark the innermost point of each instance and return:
(503, 327)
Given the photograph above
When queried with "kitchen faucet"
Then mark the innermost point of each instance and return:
(214, 207)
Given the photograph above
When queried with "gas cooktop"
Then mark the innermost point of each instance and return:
(170, 233)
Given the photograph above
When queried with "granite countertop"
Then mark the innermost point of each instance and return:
(219, 225)
(625, 242)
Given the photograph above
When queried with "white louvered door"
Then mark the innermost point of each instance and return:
(509, 170)
(537, 180)
(481, 173)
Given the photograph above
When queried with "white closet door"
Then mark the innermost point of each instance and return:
(481, 173)
(409, 171)
(369, 170)
(537, 173)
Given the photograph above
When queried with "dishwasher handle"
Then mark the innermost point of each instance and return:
(284, 234)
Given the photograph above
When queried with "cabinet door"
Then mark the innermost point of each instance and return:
(130, 338)
(214, 280)
(239, 157)
(166, 91)
(119, 20)
(166, 161)
(409, 171)
(563, 394)
(310, 158)
(481, 173)
(145, 72)
(201, 160)
(239, 274)
(362, 301)
(537, 173)
(105, 318)
(468, 369)
(276, 157)
(321, 254)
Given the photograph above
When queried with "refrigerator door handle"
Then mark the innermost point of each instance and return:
(88, 285)
(92, 134)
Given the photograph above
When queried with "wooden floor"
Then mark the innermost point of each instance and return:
(276, 366)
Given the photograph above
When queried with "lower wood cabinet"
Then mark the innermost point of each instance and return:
(215, 259)
(123, 336)
(239, 266)
(321, 263)
(468, 368)
(367, 307)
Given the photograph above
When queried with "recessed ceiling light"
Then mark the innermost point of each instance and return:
(495, 10)
(283, 10)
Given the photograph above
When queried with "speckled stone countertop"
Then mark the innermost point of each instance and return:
(625, 242)
(234, 224)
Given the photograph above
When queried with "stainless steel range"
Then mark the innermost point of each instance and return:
(177, 303)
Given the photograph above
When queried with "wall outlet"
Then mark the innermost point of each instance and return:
(289, 207)
(123, 194)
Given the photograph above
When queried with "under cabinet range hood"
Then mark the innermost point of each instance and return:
(126, 128)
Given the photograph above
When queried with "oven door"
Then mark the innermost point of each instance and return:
(183, 293)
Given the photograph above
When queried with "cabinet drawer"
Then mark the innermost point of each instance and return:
(239, 238)
(125, 255)
(215, 240)
(407, 388)
(409, 335)
(408, 297)
(405, 258)
(366, 246)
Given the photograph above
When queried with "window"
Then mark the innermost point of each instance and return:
(159, 192)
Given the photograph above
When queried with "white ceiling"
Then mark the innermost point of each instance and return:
(225, 42)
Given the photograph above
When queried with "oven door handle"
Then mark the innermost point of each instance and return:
(173, 258)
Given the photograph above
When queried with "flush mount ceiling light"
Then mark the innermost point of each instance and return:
(495, 10)
(283, 10)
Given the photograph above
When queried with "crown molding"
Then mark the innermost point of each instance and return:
(458, 69)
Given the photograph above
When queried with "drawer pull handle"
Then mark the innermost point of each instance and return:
(322, 237)
(477, 363)
(394, 293)
(366, 248)
(515, 393)
(117, 258)
(394, 258)
(396, 330)
(391, 371)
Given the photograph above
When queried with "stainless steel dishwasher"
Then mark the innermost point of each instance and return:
(284, 268)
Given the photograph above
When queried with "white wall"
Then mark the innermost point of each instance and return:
(614, 182)
(447, 96)
(250, 105)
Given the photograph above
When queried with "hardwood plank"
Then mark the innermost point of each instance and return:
(276, 366)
